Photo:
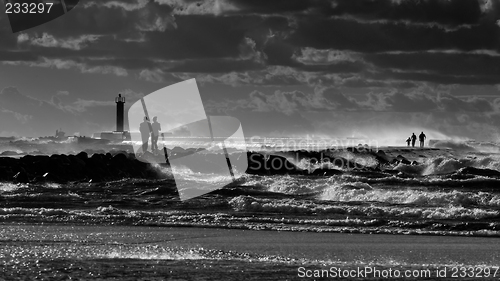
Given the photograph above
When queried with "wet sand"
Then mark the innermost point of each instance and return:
(171, 253)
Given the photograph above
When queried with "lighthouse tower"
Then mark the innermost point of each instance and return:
(120, 108)
(120, 134)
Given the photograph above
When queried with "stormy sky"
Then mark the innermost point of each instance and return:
(339, 68)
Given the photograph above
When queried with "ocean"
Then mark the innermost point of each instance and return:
(438, 208)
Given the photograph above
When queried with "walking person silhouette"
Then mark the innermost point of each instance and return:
(421, 138)
(145, 132)
(155, 134)
(413, 139)
(408, 140)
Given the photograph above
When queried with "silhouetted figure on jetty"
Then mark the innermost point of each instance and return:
(422, 137)
(408, 140)
(145, 132)
(155, 134)
(413, 139)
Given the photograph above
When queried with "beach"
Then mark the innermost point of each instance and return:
(57, 252)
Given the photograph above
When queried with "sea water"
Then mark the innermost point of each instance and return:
(432, 197)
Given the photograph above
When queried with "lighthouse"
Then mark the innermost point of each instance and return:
(120, 134)
(120, 105)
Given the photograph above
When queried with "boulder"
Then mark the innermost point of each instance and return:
(403, 160)
(83, 155)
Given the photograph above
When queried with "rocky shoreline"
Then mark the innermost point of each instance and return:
(63, 168)
(117, 165)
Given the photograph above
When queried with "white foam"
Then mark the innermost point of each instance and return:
(362, 192)
(290, 206)
(5, 186)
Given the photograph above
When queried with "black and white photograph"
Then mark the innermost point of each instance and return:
(249, 140)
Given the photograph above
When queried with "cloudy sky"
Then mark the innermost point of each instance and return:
(368, 68)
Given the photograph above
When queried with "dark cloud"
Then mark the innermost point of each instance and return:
(99, 18)
(383, 50)
(438, 78)
(346, 34)
(459, 64)
(330, 111)
(156, 35)
(449, 13)
(216, 66)
(439, 11)
(280, 6)
(341, 67)
(332, 99)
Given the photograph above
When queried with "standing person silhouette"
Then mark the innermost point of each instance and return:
(155, 134)
(145, 132)
(421, 138)
(413, 139)
(408, 140)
